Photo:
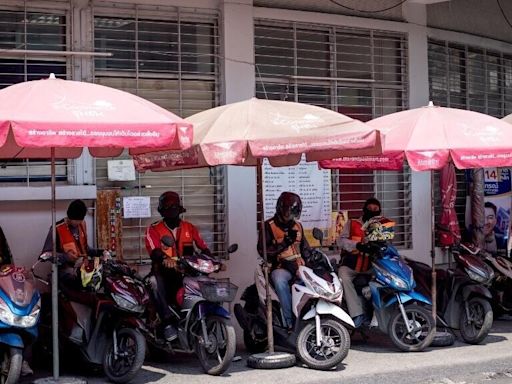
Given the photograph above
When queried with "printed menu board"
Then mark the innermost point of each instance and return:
(312, 184)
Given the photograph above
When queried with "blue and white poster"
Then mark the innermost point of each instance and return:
(497, 203)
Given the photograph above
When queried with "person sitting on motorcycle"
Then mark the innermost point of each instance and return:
(285, 243)
(166, 279)
(353, 261)
(71, 245)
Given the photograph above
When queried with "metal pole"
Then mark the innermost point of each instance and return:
(433, 250)
(268, 301)
(55, 304)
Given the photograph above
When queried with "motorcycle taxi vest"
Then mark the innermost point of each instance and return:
(360, 261)
(70, 245)
(292, 253)
(182, 239)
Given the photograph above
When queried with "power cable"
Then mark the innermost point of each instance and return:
(503, 13)
(365, 11)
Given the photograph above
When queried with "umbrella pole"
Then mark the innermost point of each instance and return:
(268, 299)
(433, 250)
(55, 304)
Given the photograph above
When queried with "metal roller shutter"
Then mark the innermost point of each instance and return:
(360, 73)
(170, 56)
(26, 28)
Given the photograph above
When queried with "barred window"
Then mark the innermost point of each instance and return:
(360, 73)
(31, 30)
(169, 56)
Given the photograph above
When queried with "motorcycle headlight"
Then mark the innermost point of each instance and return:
(391, 279)
(321, 291)
(127, 305)
(8, 317)
(475, 276)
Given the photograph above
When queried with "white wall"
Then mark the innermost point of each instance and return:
(239, 80)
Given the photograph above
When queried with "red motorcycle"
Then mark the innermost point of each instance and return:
(102, 321)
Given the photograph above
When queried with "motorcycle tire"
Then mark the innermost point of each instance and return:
(397, 330)
(209, 357)
(274, 360)
(443, 338)
(11, 365)
(476, 331)
(323, 358)
(254, 346)
(132, 343)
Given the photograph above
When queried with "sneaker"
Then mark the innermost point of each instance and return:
(25, 369)
(170, 333)
(359, 320)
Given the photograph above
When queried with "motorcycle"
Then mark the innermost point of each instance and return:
(204, 326)
(320, 338)
(388, 295)
(463, 300)
(102, 324)
(20, 306)
(501, 285)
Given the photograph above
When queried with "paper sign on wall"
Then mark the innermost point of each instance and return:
(120, 170)
(312, 184)
(136, 207)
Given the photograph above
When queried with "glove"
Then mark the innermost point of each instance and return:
(290, 237)
(361, 247)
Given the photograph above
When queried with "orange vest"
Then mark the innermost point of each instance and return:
(73, 247)
(357, 234)
(293, 251)
(184, 239)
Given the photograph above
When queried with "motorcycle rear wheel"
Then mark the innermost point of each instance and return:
(131, 351)
(476, 330)
(334, 348)
(11, 365)
(216, 357)
(417, 316)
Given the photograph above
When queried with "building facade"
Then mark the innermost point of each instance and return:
(361, 58)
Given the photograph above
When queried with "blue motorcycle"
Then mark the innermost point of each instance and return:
(397, 309)
(20, 304)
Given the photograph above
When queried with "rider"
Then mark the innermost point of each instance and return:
(285, 244)
(166, 279)
(71, 244)
(353, 261)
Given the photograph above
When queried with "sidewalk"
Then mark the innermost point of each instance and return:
(376, 361)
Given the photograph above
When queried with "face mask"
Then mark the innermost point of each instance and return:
(172, 212)
(367, 215)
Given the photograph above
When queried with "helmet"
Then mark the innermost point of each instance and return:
(379, 228)
(289, 206)
(169, 204)
(91, 274)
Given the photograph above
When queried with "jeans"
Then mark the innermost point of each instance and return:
(165, 284)
(281, 280)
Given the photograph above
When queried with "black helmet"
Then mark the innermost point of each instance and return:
(289, 206)
(169, 204)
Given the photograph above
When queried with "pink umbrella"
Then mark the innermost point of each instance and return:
(241, 133)
(244, 133)
(54, 118)
(430, 136)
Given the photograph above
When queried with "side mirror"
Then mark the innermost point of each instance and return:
(46, 256)
(233, 248)
(318, 234)
(168, 241)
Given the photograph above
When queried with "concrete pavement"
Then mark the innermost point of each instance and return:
(376, 361)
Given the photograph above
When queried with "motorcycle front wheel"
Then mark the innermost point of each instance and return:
(11, 365)
(333, 348)
(422, 332)
(216, 353)
(475, 328)
(131, 351)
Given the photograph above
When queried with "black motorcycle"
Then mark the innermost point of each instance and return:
(463, 299)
